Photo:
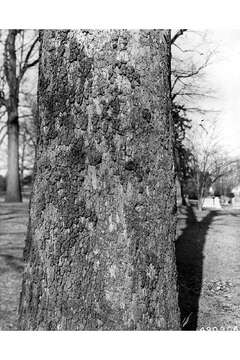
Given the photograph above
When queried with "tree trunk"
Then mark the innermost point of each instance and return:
(100, 244)
(184, 203)
(200, 200)
(22, 160)
(13, 193)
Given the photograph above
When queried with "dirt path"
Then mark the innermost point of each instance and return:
(13, 224)
(208, 259)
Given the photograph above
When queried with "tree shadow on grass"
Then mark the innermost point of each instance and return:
(14, 262)
(189, 257)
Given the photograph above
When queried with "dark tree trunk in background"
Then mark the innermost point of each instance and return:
(100, 250)
(184, 203)
(13, 192)
(22, 159)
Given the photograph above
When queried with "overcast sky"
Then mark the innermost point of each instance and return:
(224, 75)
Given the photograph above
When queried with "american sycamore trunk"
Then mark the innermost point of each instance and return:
(100, 244)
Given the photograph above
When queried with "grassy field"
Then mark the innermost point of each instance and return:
(13, 225)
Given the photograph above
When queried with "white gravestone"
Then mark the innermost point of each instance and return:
(211, 203)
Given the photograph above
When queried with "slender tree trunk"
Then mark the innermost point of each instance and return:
(100, 244)
(184, 203)
(200, 199)
(22, 158)
(200, 203)
(13, 193)
(178, 191)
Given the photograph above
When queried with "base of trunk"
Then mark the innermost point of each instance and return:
(12, 198)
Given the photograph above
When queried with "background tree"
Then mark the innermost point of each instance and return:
(192, 52)
(225, 184)
(27, 140)
(188, 89)
(182, 154)
(100, 245)
(19, 50)
(208, 162)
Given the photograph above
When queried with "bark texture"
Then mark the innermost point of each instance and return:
(99, 250)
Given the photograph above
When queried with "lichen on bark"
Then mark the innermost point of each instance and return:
(100, 242)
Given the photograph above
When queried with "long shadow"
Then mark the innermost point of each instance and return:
(234, 214)
(189, 257)
(18, 233)
(14, 262)
(16, 217)
(8, 213)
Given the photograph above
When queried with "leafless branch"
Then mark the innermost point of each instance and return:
(3, 137)
(3, 127)
(3, 101)
(195, 51)
(26, 63)
(177, 35)
(186, 74)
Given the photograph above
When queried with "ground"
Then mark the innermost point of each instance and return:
(13, 225)
(208, 261)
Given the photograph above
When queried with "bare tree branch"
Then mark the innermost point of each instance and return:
(32, 63)
(188, 50)
(189, 73)
(177, 35)
(26, 64)
(3, 101)
(3, 127)
(3, 137)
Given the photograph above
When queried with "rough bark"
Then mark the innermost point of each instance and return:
(13, 192)
(99, 250)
